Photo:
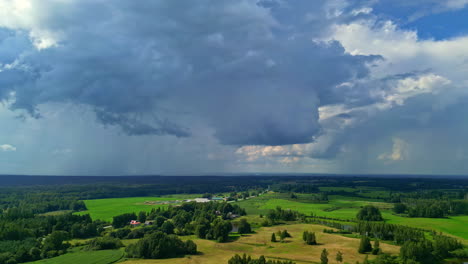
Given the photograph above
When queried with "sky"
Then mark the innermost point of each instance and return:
(98, 87)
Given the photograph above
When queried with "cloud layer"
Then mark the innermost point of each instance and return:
(247, 83)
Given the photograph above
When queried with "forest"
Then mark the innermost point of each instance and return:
(42, 222)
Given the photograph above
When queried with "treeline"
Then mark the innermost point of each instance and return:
(275, 216)
(297, 188)
(431, 208)
(383, 231)
(236, 259)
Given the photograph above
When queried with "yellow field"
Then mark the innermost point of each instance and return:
(259, 244)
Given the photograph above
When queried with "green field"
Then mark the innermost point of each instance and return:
(85, 257)
(105, 209)
(340, 207)
(347, 207)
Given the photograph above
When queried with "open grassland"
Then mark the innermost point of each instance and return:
(105, 209)
(342, 207)
(453, 225)
(337, 207)
(259, 244)
(85, 257)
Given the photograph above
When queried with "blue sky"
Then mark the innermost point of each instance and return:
(95, 87)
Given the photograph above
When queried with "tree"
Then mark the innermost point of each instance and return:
(283, 234)
(365, 245)
(421, 252)
(324, 256)
(244, 227)
(142, 216)
(339, 256)
(273, 237)
(55, 241)
(399, 208)
(369, 213)
(309, 238)
(376, 250)
(168, 227)
(220, 230)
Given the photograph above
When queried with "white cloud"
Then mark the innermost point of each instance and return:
(7, 147)
(403, 52)
(399, 151)
(456, 4)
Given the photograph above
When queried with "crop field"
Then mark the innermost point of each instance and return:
(337, 207)
(342, 207)
(105, 209)
(88, 257)
(259, 244)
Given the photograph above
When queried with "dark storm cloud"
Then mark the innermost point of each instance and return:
(251, 71)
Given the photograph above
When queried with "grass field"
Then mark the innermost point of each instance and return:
(259, 244)
(85, 257)
(341, 207)
(347, 207)
(105, 209)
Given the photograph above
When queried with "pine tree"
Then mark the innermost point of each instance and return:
(376, 250)
(365, 245)
(324, 256)
(273, 237)
(339, 256)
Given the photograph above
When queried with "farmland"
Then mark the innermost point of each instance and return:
(347, 207)
(105, 209)
(88, 257)
(340, 207)
(259, 244)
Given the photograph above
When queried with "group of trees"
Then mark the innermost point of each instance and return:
(236, 259)
(205, 220)
(33, 237)
(160, 245)
(430, 208)
(383, 231)
(281, 235)
(309, 238)
(275, 215)
(243, 227)
(369, 213)
(324, 256)
(106, 242)
(366, 247)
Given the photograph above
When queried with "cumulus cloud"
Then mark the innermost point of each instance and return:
(250, 68)
(291, 82)
(7, 147)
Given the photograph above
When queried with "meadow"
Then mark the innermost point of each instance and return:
(85, 257)
(342, 207)
(105, 209)
(259, 244)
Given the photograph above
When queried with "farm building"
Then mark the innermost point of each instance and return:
(134, 223)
